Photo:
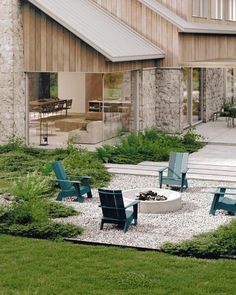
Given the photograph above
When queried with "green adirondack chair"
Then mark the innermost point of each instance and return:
(176, 171)
(74, 187)
(114, 210)
(220, 201)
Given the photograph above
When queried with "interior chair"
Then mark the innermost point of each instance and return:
(176, 171)
(221, 201)
(115, 211)
(71, 186)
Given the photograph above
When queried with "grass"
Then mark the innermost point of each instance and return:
(30, 266)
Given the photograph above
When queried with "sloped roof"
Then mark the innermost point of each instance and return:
(185, 26)
(100, 29)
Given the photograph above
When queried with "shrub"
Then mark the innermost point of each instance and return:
(25, 212)
(150, 145)
(46, 230)
(80, 162)
(208, 245)
(57, 210)
(31, 186)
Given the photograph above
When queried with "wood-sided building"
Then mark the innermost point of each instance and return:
(172, 61)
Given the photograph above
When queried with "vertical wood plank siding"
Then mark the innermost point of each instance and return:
(50, 47)
(177, 46)
(197, 47)
(149, 24)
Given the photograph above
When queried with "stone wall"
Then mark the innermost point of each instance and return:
(169, 117)
(148, 96)
(213, 92)
(157, 96)
(12, 78)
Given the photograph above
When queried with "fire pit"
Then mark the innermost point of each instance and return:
(150, 196)
(154, 200)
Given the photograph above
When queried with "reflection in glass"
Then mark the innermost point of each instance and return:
(196, 96)
(230, 86)
(116, 104)
(185, 97)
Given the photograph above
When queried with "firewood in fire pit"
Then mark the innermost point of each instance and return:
(150, 196)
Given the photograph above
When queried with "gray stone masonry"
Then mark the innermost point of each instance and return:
(12, 77)
(169, 100)
(213, 92)
(158, 95)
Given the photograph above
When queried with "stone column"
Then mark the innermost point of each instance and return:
(148, 99)
(213, 92)
(12, 77)
(169, 102)
(157, 99)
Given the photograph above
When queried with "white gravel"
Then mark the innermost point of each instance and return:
(152, 230)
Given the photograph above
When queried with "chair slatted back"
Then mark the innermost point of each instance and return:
(60, 173)
(178, 163)
(112, 204)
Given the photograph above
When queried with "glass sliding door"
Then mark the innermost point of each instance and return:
(185, 110)
(192, 96)
(116, 104)
(196, 96)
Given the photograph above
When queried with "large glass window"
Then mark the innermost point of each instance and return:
(196, 96)
(185, 96)
(230, 86)
(200, 8)
(231, 10)
(192, 96)
(116, 103)
(217, 9)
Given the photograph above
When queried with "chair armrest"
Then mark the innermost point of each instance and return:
(223, 193)
(64, 180)
(163, 169)
(185, 171)
(132, 204)
(79, 177)
(226, 187)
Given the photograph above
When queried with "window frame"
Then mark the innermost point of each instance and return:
(200, 8)
(230, 13)
(217, 9)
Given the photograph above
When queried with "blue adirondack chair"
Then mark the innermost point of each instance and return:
(220, 201)
(114, 210)
(76, 187)
(176, 171)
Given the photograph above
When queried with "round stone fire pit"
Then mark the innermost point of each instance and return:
(173, 202)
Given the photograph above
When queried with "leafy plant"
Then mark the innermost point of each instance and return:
(31, 186)
(207, 245)
(81, 162)
(150, 145)
(45, 230)
(57, 210)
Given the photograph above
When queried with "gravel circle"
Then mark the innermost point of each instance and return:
(152, 230)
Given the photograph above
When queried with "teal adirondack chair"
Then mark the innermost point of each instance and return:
(114, 210)
(220, 201)
(176, 171)
(71, 188)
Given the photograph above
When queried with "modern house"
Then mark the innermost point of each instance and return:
(125, 64)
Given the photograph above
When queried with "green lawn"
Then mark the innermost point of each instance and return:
(29, 266)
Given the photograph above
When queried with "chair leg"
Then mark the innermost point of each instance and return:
(60, 196)
(160, 179)
(80, 199)
(214, 203)
(89, 194)
(101, 226)
(126, 227)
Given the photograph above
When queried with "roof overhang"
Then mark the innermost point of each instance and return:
(100, 29)
(211, 63)
(185, 26)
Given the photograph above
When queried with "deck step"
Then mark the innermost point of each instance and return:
(196, 170)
